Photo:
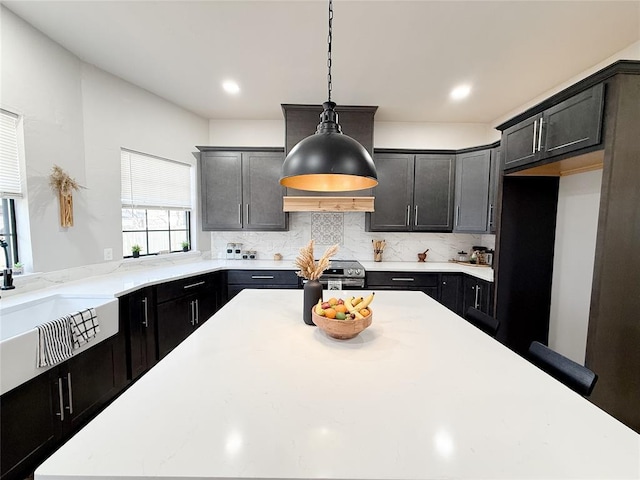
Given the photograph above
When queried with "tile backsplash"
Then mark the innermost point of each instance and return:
(347, 229)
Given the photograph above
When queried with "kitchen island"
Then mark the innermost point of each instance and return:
(256, 393)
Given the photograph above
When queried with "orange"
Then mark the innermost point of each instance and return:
(333, 301)
(330, 313)
(364, 312)
(340, 308)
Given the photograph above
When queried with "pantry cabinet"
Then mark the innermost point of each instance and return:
(566, 127)
(240, 189)
(414, 192)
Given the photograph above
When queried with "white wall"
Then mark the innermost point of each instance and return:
(576, 226)
(414, 135)
(78, 117)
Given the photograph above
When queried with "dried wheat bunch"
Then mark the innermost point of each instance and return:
(61, 182)
(307, 265)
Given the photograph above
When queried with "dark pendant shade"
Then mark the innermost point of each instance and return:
(329, 161)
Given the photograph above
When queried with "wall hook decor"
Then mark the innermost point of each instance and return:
(64, 185)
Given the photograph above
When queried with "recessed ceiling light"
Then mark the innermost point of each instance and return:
(460, 92)
(231, 87)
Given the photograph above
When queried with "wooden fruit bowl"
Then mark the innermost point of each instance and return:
(341, 329)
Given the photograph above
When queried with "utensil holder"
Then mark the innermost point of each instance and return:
(377, 255)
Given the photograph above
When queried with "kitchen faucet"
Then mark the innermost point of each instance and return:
(7, 274)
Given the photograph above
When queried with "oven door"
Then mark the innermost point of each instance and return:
(342, 283)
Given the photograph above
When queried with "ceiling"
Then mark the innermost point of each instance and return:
(403, 56)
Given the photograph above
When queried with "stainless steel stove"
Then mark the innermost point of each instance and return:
(343, 275)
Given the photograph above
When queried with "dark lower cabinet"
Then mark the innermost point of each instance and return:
(30, 429)
(424, 282)
(456, 291)
(238, 280)
(137, 319)
(451, 292)
(477, 294)
(182, 306)
(42, 413)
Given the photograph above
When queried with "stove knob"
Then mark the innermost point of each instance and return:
(357, 271)
(350, 271)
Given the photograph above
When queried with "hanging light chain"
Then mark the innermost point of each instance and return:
(329, 40)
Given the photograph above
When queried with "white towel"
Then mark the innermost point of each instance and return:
(84, 326)
(55, 343)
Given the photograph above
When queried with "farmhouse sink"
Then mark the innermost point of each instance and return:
(19, 335)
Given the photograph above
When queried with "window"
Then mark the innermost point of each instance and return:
(10, 184)
(156, 203)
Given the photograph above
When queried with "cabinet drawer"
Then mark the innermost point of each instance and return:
(262, 277)
(402, 279)
(179, 288)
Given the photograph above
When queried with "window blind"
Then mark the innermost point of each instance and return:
(9, 164)
(149, 181)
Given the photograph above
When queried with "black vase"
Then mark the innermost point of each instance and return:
(312, 293)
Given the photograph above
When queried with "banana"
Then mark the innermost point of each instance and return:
(365, 303)
(319, 310)
(356, 301)
(351, 308)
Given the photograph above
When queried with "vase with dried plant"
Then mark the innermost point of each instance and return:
(64, 185)
(312, 271)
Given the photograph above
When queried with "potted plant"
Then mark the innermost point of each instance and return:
(135, 250)
(185, 246)
(17, 268)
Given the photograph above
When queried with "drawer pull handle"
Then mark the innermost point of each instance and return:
(262, 277)
(146, 313)
(197, 284)
(403, 279)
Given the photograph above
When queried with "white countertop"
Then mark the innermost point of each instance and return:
(421, 394)
(121, 282)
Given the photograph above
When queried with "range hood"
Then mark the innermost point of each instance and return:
(300, 122)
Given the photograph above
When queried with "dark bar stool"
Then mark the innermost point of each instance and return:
(575, 376)
(484, 322)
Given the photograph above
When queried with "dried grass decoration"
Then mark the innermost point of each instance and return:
(64, 185)
(309, 269)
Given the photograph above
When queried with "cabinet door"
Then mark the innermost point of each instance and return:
(477, 294)
(138, 322)
(494, 184)
(519, 143)
(472, 191)
(393, 194)
(92, 378)
(573, 124)
(262, 193)
(434, 179)
(30, 427)
(451, 292)
(175, 322)
(221, 190)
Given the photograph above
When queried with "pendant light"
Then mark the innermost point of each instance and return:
(328, 160)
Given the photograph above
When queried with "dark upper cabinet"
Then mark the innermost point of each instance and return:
(240, 190)
(393, 194)
(414, 193)
(137, 319)
(473, 173)
(494, 186)
(433, 187)
(568, 126)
